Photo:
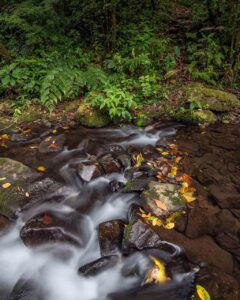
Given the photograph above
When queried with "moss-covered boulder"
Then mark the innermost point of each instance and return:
(204, 116)
(211, 99)
(15, 178)
(90, 116)
(162, 198)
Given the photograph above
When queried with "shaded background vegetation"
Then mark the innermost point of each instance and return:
(115, 53)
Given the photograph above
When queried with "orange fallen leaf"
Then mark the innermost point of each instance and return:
(160, 204)
(46, 220)
(53, 146)
(6, 185)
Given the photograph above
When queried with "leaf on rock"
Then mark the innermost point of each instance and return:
(46, 220)
(169, 225)
(41, 169)
(160, 204)
(189, 197)
(6, 185)
(139, 160)
(158, 273)
(202, 293)
(4, 136)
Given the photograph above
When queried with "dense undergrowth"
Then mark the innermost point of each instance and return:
(116, 55)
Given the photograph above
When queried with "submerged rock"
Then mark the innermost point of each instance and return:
(91, 116)
(110, 237)
(50, 228)
(167, 194)
(99, 265)
(212, 99)
(26, 289)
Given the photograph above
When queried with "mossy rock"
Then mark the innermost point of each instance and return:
(28, 117)
(90, 116)
(204, 116)
(212, 99)
(168, 195)
(19, 176)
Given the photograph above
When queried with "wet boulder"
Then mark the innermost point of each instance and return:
(109, 164)
(110, 237)
(99, 265)
(162, 198)
(138, 235)
(88, 172)
(16, 177)
(52, 228)
(52, 144)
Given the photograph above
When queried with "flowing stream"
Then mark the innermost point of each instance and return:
(49, 270)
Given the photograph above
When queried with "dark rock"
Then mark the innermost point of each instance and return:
(4, 222)
(125, 160)
(167, 193)
(219, 284)
(18, 137)
(26, 290)
(224, 198)
(229, 242)
(174, 290)
(99, 265)
(138, 235)
(199, 250)
(52, 144)
(116, 186)
(202, 221)
(109, 164)
(50, 228)
(88, 172)
(110, 237)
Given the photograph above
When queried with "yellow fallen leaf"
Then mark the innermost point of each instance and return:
(41, 169)
(158, 272)
(177, 160)
(139, 160)
(5, 136)
(3, 178)
(189, 197)
(169, 226)
(6, 185)
(54, 131)
(27, 194)
(165, 153)
(202, 293)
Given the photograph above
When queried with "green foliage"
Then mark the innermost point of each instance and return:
(115, 100)
(207, 58)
